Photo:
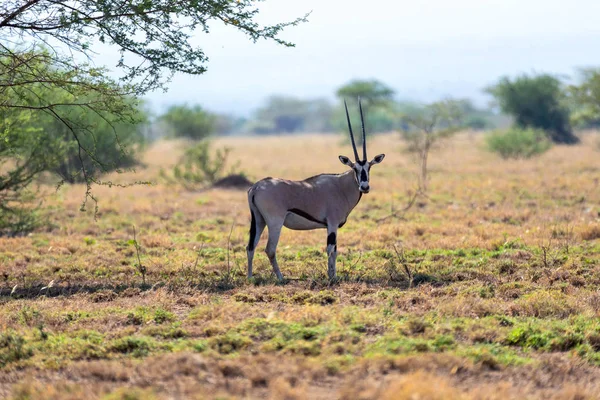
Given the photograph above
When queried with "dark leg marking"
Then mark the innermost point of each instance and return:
(331, 239)
(252, 231)
(307, 216)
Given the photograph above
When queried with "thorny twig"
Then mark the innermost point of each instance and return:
(400, 213)
(140, 267)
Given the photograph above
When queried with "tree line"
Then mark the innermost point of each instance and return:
(283, 115)
(540, 101)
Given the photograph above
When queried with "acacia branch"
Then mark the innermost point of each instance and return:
(17, 12)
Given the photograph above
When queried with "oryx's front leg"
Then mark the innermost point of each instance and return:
(331, 251)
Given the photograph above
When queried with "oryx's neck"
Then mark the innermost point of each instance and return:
(349, 189)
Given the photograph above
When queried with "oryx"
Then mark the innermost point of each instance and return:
(321, 201)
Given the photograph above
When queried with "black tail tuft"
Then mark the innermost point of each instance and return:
(252, 232)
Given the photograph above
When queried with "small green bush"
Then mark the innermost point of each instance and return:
(138, 347)
(200, 166)
(13, 348)
(161, 316)
(230, 342)
(518, 143)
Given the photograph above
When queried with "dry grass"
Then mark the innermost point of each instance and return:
(504, 301)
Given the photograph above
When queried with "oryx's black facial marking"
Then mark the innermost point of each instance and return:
(331, 239)
(252, 230)
(362, 170)
(307, 216)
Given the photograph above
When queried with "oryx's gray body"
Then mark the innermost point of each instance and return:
(320, 202)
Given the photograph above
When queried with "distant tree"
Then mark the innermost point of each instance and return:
(284, 114)
(372, 93)
(536, 102)
(377, 119)
(226, 124)
(585, 98)
(378, 106)
(474, 118)
(320, 114)
(190, 122)
(431, 124)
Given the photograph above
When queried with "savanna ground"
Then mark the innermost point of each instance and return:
(503, 300)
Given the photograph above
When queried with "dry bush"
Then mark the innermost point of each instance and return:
(287, 389)
(546, 304)
(421, 385)
(109, 371)
(473, 307)
(131, 393)
(594, 302)
(33, 390)
(591, 232)
(572, 392)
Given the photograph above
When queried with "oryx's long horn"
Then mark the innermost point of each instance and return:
(362, 121)
(351, 134)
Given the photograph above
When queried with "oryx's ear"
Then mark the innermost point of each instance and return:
(377, 159)
(346, 161)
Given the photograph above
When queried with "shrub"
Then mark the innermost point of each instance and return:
(138, 347)
(518, 143)
(198, 167)
(230, 343)
(591, 232)
(12, 348)
(161, 316)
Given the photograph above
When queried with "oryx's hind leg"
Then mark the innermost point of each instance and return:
(257, 226)
(271, 249)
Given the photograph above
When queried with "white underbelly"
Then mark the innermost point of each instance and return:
(296, 222)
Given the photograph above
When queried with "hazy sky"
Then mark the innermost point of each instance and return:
(424, 49)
